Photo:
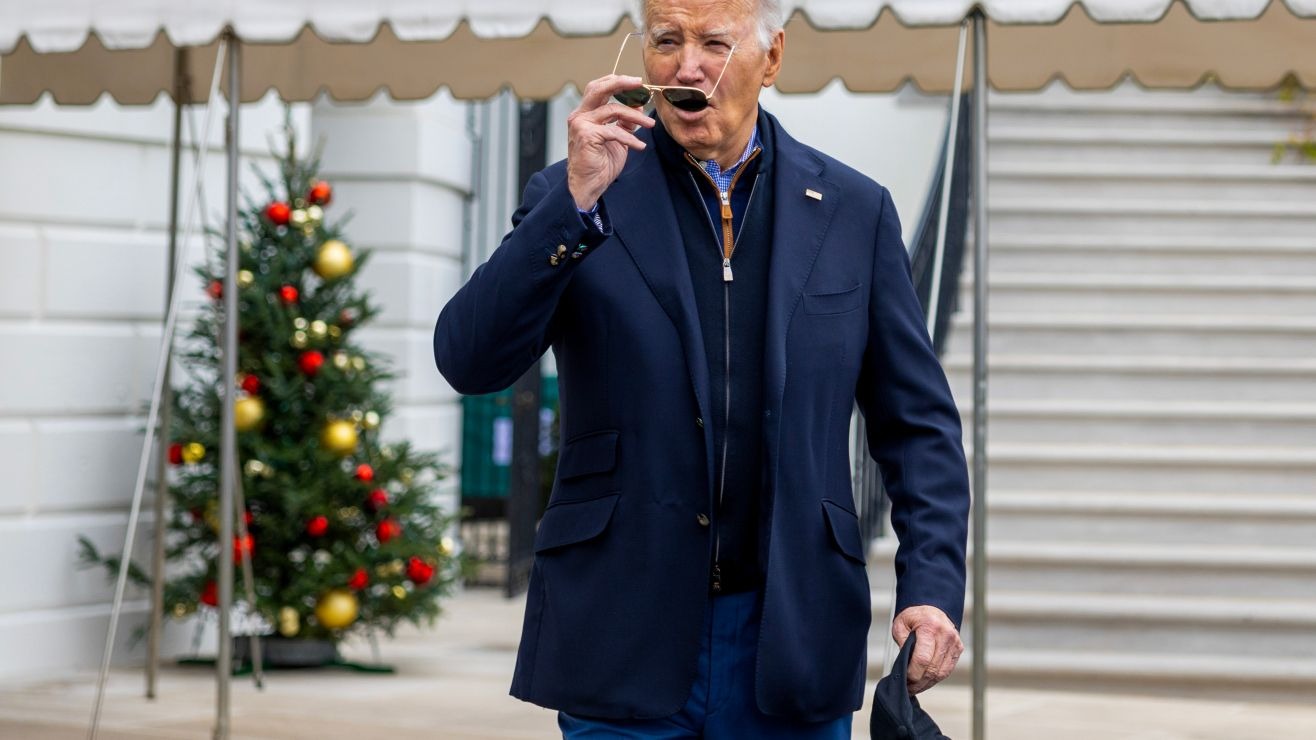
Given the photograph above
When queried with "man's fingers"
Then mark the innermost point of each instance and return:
(606, 114)
(598, 91)
(616, 133)
(921, 660)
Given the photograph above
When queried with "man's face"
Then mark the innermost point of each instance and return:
(686, 43)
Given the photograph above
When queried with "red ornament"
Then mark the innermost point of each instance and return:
(365, 473)
(246, 517)
(215, 289)
(175, 454)
(359, 580)
(419, 571)
(278, 213)
(319, 194)
(377, 499)
(387, 530)
(242, 546)
(250, 384)
(288, 294)
(317, 526)
(210, 594)
(311, 361)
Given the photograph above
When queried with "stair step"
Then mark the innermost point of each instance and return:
(1167, 625)
(1199, 335)
(1135, 378)
(1206, 469)
(1240, 518)
(1201, 571)
(1036, 292)
(1117, 421)
(1024, 179)
(1150, 254)
(1232, 217)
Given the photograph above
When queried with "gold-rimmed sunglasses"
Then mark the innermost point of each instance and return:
(686, 98)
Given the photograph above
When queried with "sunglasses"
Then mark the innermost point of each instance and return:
(686, 98)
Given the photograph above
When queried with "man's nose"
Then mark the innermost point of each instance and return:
(690, 66)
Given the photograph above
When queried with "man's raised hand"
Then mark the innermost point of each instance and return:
(599, 131)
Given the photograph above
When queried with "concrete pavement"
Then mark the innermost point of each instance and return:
(452, 682)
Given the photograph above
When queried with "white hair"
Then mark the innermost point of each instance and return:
(770, 19)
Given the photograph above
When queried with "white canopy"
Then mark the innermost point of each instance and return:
(80, 49)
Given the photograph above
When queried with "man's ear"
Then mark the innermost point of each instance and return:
(775, 52)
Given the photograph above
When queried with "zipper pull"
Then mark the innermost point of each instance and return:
(726, 205)
(726, 270)
(717, 578)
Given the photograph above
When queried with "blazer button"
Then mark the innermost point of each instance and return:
(699, 422)
(703, 520)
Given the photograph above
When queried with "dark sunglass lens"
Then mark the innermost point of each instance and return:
(632, 98)
(691, 100)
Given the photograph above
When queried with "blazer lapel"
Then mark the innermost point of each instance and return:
(805, 203)
(644, 221)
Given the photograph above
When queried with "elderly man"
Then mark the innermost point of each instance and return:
(717, 296)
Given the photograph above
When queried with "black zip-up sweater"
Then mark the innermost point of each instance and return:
(734, 348)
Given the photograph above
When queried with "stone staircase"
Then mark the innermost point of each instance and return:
(1152, 395)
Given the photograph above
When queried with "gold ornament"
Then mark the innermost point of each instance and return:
(396, 567)
(336, 609)
(181, 610)
(335, 333)
(334, 260)
(299, 339)
(245, 244)
(245, 278)
(319, 329)
(357, 416)
(339, 437)
(248, 413)
(358, 363)
(211, 514)
(445, 546)
(406, 476)
(399, 592)
(254, 468)
(372, 420)
(314, 214)
(298, 218)
(300, 323)
(193, 452)
(349, 514)
(341, 360)
(290, 623)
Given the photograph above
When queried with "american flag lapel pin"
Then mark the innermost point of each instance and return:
(810, 192)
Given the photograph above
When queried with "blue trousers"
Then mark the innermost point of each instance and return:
(721, 704)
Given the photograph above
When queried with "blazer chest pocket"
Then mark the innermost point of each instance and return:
(833, 301)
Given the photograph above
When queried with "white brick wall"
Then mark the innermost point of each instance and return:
(83, 213)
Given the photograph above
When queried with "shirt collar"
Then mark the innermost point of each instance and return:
(711, 166)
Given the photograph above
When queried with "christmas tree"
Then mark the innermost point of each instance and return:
(342, 532)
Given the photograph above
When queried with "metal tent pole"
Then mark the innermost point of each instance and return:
(228, 433)
(181, 96)
(979, 373)
(152, 416)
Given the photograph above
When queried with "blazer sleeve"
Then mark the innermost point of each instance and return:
(913, 432)
(502, 320)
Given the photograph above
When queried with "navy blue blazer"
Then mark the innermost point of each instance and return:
(619, 582)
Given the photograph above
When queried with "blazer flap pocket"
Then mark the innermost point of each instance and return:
(844, 526)
(574, 521)
(834, 301)
(593, 453)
